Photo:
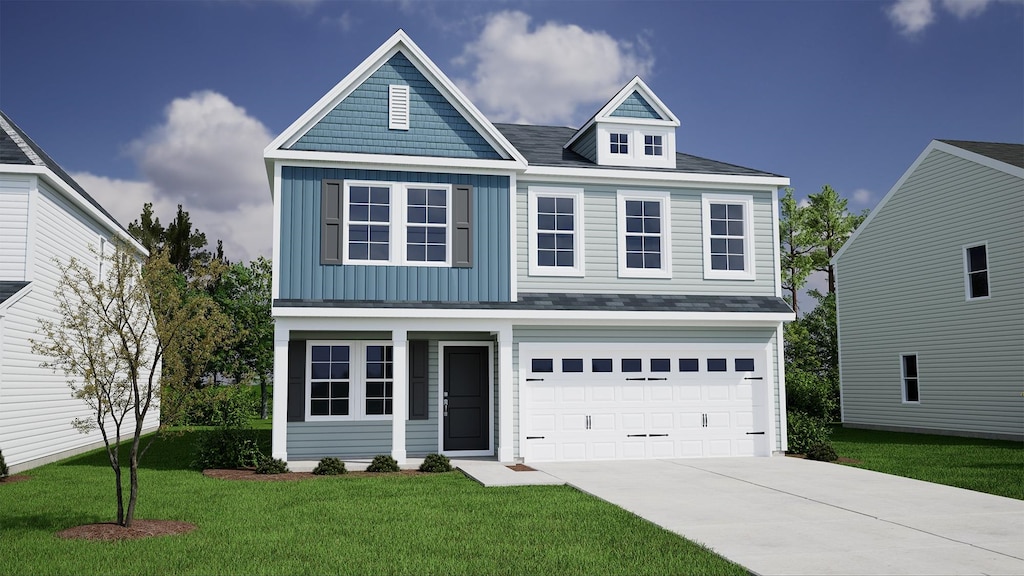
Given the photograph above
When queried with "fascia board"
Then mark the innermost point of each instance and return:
(680, 178)
(76, 199)
(389, 161)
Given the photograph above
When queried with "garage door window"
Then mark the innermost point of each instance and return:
(572, 365)
(601, 365)
(689, 365)
(717, 365)
(632, 365)
(543, 365)
(744, 364)
(661, 365)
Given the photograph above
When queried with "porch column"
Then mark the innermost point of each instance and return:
(399, 393)
(505, 423)
(279, 435)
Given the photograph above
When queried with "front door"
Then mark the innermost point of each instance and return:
(465, 398)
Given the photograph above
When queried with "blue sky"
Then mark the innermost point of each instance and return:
(174, 101)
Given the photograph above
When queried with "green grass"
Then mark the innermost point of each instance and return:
(436, 524)
(992, 466)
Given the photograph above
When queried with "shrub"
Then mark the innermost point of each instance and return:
(4, 471)
(812, 394)
(806, 431)
(382, 463)
(329, 466)
(226, 406)
(436, 463)
(822, 452)
(269, 465)
(227, 448)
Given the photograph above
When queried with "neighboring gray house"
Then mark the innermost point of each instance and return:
(931, 298)
(44, 215)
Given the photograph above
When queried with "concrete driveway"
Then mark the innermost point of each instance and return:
(789, 516)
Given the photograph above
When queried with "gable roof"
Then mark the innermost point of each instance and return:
(605, 114)
(17, 149)
(543, 146)
(399, 42)
(998, 156)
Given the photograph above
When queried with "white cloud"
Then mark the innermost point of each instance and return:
(343, 22)
(862, 196)
(965, 8)
(547, 74)
(803, 203)
(912, 16)
(207, 156)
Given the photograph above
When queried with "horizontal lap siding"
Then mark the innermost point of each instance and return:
(901, 290)
(586, 145)
(302, 275)
(354, 439)
(601, 242)
(13, 226)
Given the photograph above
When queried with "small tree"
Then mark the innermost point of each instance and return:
(115, 327)
(796, 247)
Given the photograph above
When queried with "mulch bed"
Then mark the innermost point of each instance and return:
(14, 478)
(108, 531)
(521, 468)
(251, 475)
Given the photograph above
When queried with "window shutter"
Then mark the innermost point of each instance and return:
(330, 222)
(418, 387)
(398, 107)
(462, 234)
(297, 381)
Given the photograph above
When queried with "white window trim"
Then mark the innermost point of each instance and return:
(398, 107)
(636, 155)
(967, 272)
(666, 233)
(750, 264)
(579, 256)
(398, 225)
(903, 378)
(356, 379)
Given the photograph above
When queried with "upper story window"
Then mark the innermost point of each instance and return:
(619, 143)
(976, 271)
(728, 237)
(644, 234)
(555, 231)
(653, 145)
(426, 225)
(369, 223)
(349, 381)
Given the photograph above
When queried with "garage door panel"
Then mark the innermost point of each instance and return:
(661, 448)
(662, 420)
(632, 422)
(632, 393)
(602, 422)
(687, 392)
(574, 422)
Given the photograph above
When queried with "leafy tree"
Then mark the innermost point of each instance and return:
(115, 328)
(796, 247)
(831, 224)
(812, 361)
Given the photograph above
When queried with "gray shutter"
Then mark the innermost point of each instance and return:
(418, 378)
(297, 381)
(462, 236)
(330, 222)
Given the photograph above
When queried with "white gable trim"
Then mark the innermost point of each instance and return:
(6, 304)
(941, 147)
(604, 114)
(399, 42)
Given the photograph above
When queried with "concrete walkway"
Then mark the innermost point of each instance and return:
(790, 516)
(491, 473)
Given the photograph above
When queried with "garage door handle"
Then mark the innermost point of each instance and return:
(534, 437)
(761, 433)
(653, 379)
(534, 379)
(754, 378)
(636, 435)
(641, 379)
(656, 435)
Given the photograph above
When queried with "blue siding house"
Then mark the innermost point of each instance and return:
(528, 293)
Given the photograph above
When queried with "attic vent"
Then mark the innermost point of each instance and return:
(398, 107)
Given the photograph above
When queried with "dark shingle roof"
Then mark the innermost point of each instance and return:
(10, 152)
(8, 289)
(542, 146)
(1012, 154)
(560, 301)
(49, 163)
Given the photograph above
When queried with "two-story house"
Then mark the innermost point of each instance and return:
(445, 284)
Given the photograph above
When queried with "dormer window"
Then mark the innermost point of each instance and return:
(620, 143)
(653, 145)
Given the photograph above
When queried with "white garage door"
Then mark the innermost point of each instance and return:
(609, 401)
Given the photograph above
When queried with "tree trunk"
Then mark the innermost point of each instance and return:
(133, 467)
(263, 397)
(792, 295)
(120, 496)
(831, 279)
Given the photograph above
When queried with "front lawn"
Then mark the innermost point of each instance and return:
(992, 466)
(436, 524)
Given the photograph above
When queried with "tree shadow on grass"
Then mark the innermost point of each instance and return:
(48, 522)
(170, 451)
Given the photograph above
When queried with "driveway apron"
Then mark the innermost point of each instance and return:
(790, 516)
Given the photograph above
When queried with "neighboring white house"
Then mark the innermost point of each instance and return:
(44, 215)
(931, 298)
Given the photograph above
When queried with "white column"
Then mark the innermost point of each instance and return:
(399, 393)
(505, 383)
(279, 436)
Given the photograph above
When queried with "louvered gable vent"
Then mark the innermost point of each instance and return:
(398, 107)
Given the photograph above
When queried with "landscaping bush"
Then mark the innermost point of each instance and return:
(226, 406)
(227, 448)
(823, 453)
(436, 463)
(269, 465)
(382, 463)
(806, 431)
(329, 466)
(4, 471)
(812, 394)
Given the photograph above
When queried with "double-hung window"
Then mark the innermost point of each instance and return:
(349, 380)
(728, 236)
(908, 374)
(976, 271)
(555, 231)
(398, 224)
(644, 234)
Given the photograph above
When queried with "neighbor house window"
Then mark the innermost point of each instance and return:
(620, 143)
(398, 224)
(555, 231)
(644, 237)
(349, 380)
(653, 145)
(728, 237)
(976, 271)
(908, 368)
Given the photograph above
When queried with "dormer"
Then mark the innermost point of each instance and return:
(634, 129)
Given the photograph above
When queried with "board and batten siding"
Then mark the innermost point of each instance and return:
(14, 191)
(304, 277)
(901, 290)
(36, 406)
(652, 335)
(601, 241)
